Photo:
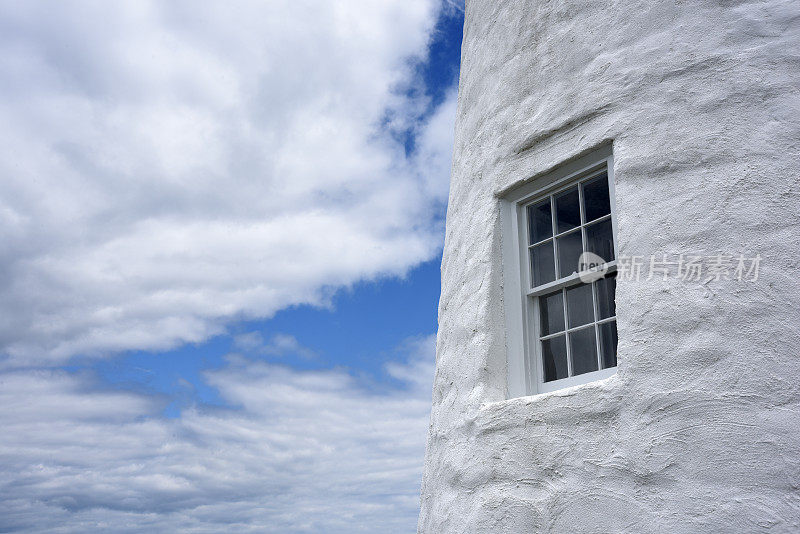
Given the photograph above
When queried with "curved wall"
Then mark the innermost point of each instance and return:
(699, 429)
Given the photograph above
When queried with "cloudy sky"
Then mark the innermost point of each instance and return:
(220, 232)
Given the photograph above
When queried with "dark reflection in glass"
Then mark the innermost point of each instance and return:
(540, 222)
(596, 202)
(554, 357)
(583, 348)
(551, 313)
(570, 247)
(606, 288)
(608, 343)
(579, 305)
(543, 269)
(599, 239)
(568, 214)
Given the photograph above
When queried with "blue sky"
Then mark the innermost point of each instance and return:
(360, 331)
(221, 233)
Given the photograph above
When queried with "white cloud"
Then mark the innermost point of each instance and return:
(306, 452)
(170, 167)
(248, 342)
(278, 345)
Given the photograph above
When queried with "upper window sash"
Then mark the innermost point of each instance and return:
(558, 225)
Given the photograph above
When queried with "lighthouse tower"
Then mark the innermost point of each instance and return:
(619, 323)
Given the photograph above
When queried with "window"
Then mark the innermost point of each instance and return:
(564, 225)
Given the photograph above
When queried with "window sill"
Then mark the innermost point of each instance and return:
(577, 380)
(606, 380)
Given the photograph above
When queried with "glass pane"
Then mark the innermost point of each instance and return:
(543, 268)
(568, 214)
(599, 239)
(596, 202)
(580, 309)
(540, 222)
(583, 347)
(554, 357)
(606, 287)
(608, 343)
(551, 313)
(569, 252)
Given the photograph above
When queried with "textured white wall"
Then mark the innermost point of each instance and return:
(700, 429)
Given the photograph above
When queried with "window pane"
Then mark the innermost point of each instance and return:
(569, 252)
(551, 313)
(596, 202)
(543, 268)
(568, 214)
(540, 222)
(554, 357)
(606, 287)
(599, 239)
(583, 347)
(580, 309)
(608, 343)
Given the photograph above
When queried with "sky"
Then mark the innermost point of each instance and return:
(221, 228)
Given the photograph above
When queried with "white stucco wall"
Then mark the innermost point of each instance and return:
(699, 431)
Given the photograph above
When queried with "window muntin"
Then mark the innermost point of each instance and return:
(581, 215)
(573, 322)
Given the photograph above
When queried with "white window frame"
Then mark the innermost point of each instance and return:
(520, 301)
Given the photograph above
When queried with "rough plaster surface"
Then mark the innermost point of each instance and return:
(699, 431)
